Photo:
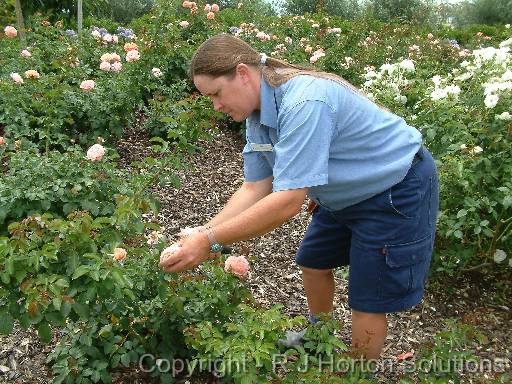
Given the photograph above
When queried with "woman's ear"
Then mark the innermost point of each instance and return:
(243, 71)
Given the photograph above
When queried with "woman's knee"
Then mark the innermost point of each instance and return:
(315, 273)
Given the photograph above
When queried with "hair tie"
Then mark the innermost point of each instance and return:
(263, 58)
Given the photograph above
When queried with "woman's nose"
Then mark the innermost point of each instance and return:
(217, 105)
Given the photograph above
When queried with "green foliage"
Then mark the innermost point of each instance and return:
(247, 344)
(490, 12)
(58, 183)
(412, 10)
(348, 9)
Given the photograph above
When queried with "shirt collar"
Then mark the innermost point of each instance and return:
(268, 104)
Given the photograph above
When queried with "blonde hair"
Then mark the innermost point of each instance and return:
(220, 54)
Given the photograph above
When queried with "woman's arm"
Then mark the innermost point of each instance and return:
(247, 195)
(265, 215)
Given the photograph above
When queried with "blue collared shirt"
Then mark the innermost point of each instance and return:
(315, 133)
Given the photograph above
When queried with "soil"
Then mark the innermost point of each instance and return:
(213, 174)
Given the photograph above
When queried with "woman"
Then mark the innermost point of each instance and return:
(311, 133)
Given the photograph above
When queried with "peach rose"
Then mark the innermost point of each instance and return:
(119, 254)
(10, 31)
(2, 140)
(238, 265)
(130, 47)
(32, 74)
(105, 66)
(95, 153)
(87, 85)
(210, 16)
(186, 4)
(215, 8)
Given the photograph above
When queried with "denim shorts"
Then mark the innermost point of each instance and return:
(386, 240)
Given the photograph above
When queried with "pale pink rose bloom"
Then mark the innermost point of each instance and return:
(132, 56)
(188, 231)
(107, 38)
(184, 24)
(2, 140)
(210, 16)
(87, 85)
(32, 74)
(215, 8)
(10, 31)
(308, 49)
(119, 254)
(207, 8)
(156, 72)
(17, 78)
(105, 66)
(169, 251)
(186, 4)
(116, 67)
(96, 34)
(238, 265)
(95, 153)
(115, 39)
(26, 53)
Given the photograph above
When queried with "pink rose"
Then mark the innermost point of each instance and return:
(156, 72)
(169, 251)
(26, 53)
(210, 16)
(184, 24)
(95, 153)
(87, 85)
(2, 140)
(116, 66)
(105, 66)
(119, 254)
(17, 78)
(207, 8)
(132, 55)
(238, 265)
(10, 31)
(186, 4)
(215, 8)
(430, 36)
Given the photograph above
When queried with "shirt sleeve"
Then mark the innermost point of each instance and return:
(256, 167)
(302, 150)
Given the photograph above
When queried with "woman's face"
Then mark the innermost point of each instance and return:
(237, 96)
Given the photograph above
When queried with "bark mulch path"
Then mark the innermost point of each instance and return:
(212, 175)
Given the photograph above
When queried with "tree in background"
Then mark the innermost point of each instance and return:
(483, 12)
(348, 9)
(417, 10)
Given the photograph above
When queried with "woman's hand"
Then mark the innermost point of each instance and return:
(194, 250)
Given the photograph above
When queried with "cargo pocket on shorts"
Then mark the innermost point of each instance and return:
(406, 267)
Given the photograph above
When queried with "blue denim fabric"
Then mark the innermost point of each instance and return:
(387, 241)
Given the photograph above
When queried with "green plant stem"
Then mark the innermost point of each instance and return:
(486, 264)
